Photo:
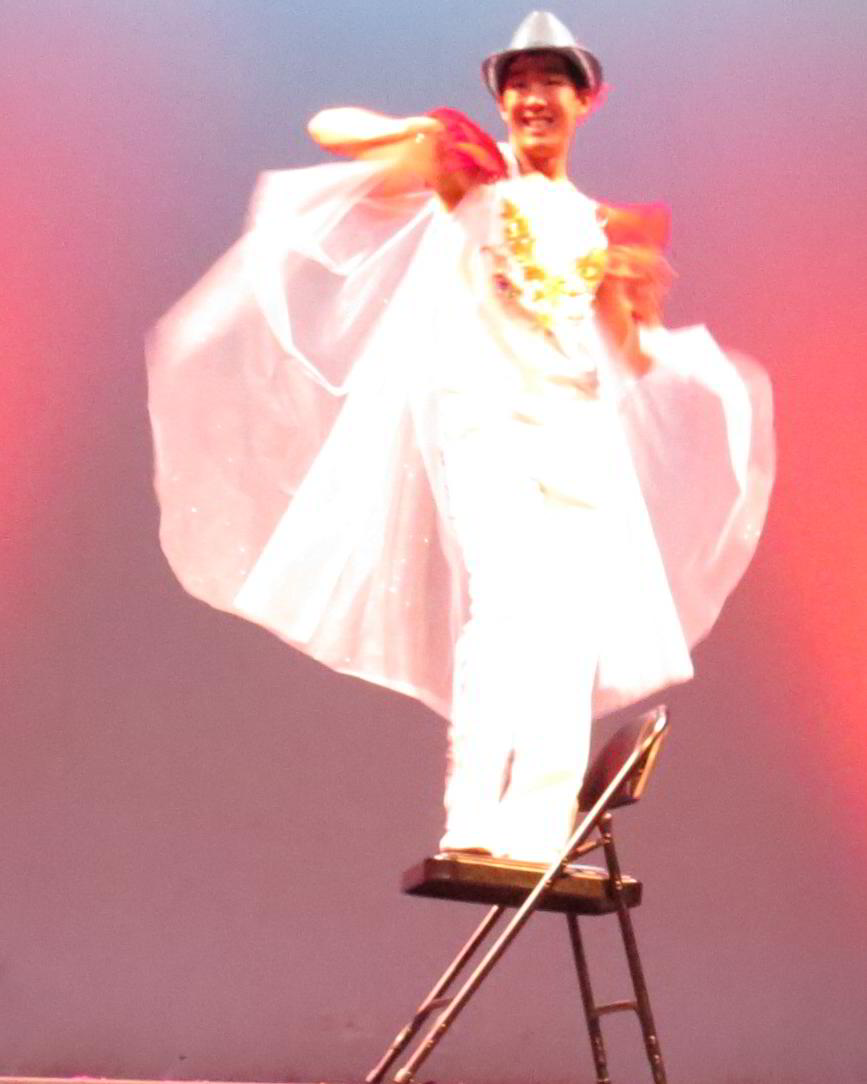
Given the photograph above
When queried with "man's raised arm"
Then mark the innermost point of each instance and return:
(417, 149)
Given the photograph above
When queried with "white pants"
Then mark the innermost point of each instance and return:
(526, 659)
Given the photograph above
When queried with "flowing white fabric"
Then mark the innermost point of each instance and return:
(301, 392)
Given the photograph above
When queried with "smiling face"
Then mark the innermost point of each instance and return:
(542, 105)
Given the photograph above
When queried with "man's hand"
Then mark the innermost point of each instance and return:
(643, 277)
(630, 295)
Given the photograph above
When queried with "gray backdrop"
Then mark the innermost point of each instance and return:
(201, 832)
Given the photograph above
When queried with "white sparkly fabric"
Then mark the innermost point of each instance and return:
(307, 395)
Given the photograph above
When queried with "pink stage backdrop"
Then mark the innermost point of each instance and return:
(202, 832)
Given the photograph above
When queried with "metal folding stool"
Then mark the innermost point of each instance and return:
(617, 776)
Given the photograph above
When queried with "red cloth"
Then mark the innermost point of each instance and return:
(468, 149)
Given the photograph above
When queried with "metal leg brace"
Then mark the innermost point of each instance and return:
(641, 1005)
(436, 999)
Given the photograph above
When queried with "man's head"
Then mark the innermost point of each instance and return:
(543, 99)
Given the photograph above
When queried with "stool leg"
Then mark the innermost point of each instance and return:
(435, 999)
(642, 999)
(597, 1042)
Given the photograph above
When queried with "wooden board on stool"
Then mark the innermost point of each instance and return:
(473, 878)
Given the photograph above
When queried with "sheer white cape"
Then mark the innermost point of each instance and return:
(296, 464)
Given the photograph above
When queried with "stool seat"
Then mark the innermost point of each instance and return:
(473, 878)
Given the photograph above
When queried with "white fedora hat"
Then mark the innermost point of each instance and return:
(542, 30)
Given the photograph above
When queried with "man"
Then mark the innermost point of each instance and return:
(525, 667)
(425, 437)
